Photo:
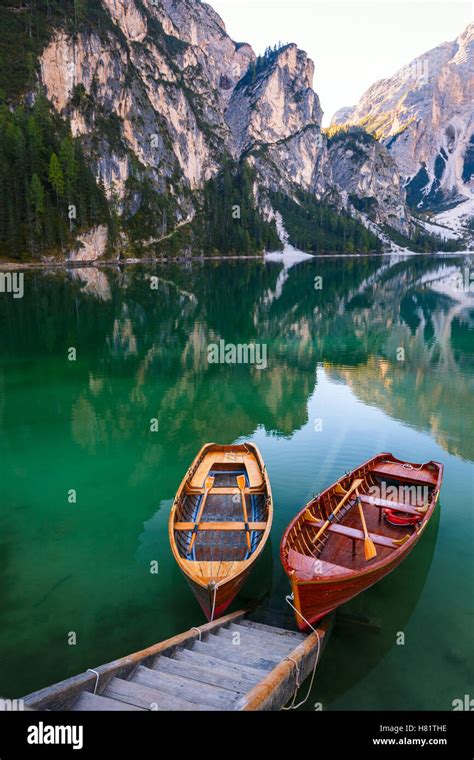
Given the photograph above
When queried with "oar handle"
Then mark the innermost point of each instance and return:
(208, 486)
(361, 512)
(241, 485)
(335, 511)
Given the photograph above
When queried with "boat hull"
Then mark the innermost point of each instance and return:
(215, 607)
(322, 549)
(216, 536)
(316, 599)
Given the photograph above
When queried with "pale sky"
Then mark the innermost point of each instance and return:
(352, 43)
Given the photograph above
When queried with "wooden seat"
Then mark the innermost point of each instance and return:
(386, 504)
(225, 491)
(220, 526)
(310, 567)
(213, 458)
(358, 534)
(397, 471)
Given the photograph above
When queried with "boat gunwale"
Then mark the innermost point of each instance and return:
(242, 564)
(374, 566)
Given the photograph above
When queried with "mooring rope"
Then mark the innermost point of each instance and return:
(292, 706)
(90, 670)
(214, 602)
(195, 628)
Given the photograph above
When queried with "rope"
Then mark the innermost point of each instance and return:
(214, 602)
(292, 706)
(90, 670)
(406, 465)
(195, 628)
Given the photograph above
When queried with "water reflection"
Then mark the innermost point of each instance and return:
(143, 336)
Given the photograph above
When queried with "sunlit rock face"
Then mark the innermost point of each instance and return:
(161, 94)
(424, 115)
(91, 245)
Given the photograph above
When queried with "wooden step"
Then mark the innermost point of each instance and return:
(253, 639)
(271, 629)
(234, 682)
(237, 655)
(147, 698)
(89, 702)
(207, 660)
(250, 647)
(185, 688)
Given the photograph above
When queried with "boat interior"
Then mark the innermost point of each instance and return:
(222, 514)
(340, 549)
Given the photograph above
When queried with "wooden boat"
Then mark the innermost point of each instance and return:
(220, 521)
(356, 532)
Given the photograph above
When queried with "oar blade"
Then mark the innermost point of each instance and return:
(369, 549)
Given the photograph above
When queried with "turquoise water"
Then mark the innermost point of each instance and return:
(333, 362)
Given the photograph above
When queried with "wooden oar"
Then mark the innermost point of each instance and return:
(369, 547)
(331, 517)
(241, 485)
(207, 487)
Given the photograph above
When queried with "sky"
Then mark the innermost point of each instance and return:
(352, 43)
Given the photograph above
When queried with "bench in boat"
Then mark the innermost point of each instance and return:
(219, 458)
(399, 472)
(309, 567)
(342, 530)
(219, 526)
(387, 504)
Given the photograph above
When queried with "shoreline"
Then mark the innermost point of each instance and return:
(105, 263)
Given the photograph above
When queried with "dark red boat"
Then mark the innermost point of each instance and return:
(356, 532)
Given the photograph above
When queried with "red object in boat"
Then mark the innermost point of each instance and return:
(398, 518)
(328, 571)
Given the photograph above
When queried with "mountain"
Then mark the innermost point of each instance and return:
(424, 115)
(146, 122)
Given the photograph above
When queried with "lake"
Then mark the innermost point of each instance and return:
(376, 356)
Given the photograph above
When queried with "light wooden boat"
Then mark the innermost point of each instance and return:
(220, 521)
(356, 532)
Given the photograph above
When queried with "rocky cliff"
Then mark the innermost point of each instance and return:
(424, 116)
(162, 95)
(163, 101)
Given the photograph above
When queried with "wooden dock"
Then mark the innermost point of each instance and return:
(230, 664)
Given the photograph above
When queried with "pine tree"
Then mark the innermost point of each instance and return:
(36, 193)
(56, 176)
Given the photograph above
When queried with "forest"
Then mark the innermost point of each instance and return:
(47, 192)
(229, 222)
(315, 227)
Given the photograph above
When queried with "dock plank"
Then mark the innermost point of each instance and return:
(238, 655)
(254, 674)
(146, 697)
(89, 702)
(258, 642)
(235, 682)
(185, 688)
(273, 630)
